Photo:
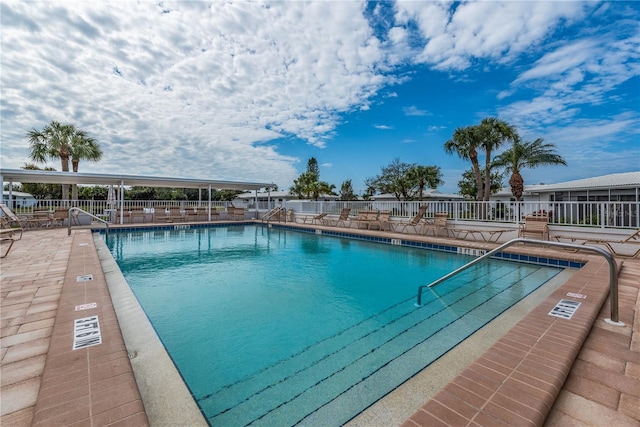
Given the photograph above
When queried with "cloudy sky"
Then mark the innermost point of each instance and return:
(251, 90)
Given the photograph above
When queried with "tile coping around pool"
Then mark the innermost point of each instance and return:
(513, 256)
(87, 378)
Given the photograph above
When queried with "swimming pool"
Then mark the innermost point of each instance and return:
(272, 326)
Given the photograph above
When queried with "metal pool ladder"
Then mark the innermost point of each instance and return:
(613, 274)
(273, 213)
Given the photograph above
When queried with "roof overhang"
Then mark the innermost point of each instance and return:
(55, 177)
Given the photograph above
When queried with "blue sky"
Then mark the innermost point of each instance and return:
(251, 90)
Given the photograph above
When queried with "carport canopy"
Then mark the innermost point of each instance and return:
(55, 177)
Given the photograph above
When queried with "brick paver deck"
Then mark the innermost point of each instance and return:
(45, 381)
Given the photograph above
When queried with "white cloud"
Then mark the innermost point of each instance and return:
(161, 85)
(561, 60)
(576, 75)
(452, 36)
(414, 111)
(604, 145)
(216, 89)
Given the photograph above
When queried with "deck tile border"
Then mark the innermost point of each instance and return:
(73, 381)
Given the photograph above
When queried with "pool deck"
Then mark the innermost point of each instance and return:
(543, 371)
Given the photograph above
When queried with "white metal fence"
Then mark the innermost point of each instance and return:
(587, 214)
(590, 214)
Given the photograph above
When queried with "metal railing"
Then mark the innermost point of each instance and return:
(587, 214)
(78, 210)
(613, 274)
(584, 214)
(273, 213)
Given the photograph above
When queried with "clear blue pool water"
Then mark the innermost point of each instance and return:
(269, 326)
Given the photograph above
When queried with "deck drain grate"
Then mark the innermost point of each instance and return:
(565, 308)
(85, 278)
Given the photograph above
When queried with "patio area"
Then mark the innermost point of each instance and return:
(45, 288)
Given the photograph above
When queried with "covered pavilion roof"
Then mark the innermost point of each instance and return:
(55, 177)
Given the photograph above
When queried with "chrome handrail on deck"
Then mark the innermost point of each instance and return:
(91, 215)
(273, 212)
(613, 274)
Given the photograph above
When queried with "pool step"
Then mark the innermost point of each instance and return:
(330, 378)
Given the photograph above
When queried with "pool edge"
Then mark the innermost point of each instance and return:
(572, 257)
(166, 398)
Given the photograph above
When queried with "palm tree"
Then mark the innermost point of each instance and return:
(308, 184)
(64, 142)
(83, 147)
(465, 143)
(423, 177)
(490, 134)
(526, 155)
(320, 188)
(494, 133)
(52, 142)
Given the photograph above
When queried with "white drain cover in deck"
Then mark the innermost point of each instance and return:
(564, 309)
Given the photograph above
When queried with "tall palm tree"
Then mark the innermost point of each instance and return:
(494, 133)
(64, 142)
(526, 155)
(52, 142)
(82, 147)
(465, 144)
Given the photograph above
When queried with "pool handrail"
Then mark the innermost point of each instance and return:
(275, 212)
(91, 215)
(613, 274)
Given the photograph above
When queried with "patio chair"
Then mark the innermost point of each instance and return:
(235, 213)
(365, 217)
(204, 214)
(314, 219)
(614, 246)
(416, 222)
(14, 221)
(58, 216)
(8, 235)
(137, 212)
(487, 235)
(383, 220)
(126, 216)
(175, 214)
(191, 214)
(438, 224)
(535, 226)
(41, 218)
(342, 219)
